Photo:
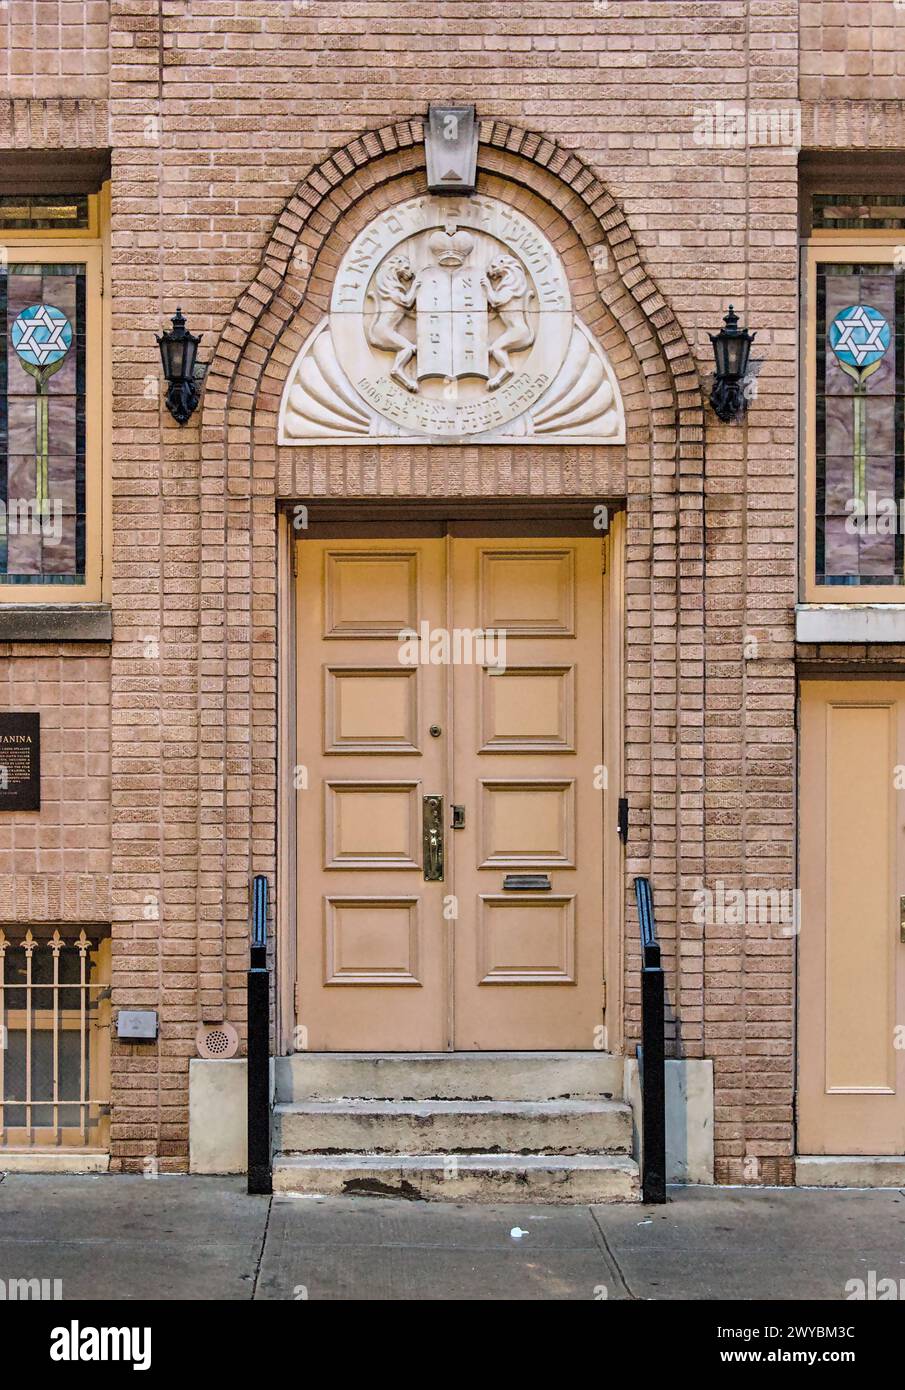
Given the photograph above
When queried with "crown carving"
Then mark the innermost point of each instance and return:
(451, 247)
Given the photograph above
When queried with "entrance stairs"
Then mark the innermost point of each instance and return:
(454, 1126)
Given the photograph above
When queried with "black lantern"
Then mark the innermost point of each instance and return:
(731, 350)
(178, 351)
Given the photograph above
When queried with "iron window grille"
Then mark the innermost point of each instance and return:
(55, 1036)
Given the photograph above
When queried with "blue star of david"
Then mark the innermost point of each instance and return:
(859, 335)
(41, 335)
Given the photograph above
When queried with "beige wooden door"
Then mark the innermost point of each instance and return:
(372, 958)
(527, 769)
(508, 735)
(851, 959)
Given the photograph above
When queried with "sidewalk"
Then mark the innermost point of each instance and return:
(110, 1237)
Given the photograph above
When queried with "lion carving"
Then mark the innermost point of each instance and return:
(396, 288)
(507, 291)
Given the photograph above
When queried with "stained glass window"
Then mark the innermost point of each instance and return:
(46, 212)
(859, 426)
(861, 211)
(42, 423)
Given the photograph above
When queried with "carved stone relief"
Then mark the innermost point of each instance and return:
(451, 319)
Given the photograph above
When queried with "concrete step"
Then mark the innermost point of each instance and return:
(453, 1126)
(449, 1076)
(505, 1177)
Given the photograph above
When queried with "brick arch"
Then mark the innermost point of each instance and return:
(380, 157)
(243, 475)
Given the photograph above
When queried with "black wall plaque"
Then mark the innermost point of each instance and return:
(20, 762)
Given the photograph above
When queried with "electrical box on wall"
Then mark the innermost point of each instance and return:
(136, 1025)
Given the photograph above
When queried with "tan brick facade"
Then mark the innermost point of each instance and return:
(70, 842)
(250, 140)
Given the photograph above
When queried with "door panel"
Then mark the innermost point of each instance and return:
(372, 948)
(526, 708)
(527, 742)
(852, 974)
(527, 591)
(371, 593)
(388, 959)
(526, 822)
(372, 824)
(371, 709)
(522, 940)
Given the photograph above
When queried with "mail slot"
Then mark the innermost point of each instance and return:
(527, 883)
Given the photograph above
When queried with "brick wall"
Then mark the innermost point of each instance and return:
(852, 48)
(55, 863)
(54, 47)
(215, 110)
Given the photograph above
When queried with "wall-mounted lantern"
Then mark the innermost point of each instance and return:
(731, 351)
(178, 353)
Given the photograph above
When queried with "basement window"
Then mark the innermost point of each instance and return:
(55, 1031)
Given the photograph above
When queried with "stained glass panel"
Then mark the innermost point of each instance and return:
(44, 212)
(42, 424)
(859, 434)
(858, 211)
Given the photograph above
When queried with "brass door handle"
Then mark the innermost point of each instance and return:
(432, 837)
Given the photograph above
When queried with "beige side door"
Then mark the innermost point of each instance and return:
(372, 954)
(527, 771)
(851, 957)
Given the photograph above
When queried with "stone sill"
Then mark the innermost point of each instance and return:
(59, 1160)
(62, 622)
(850, 622)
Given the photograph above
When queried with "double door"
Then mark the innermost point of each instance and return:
(450, 793)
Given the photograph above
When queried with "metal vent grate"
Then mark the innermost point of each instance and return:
(217, 1040)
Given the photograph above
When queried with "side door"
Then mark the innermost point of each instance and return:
(851, 1067)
